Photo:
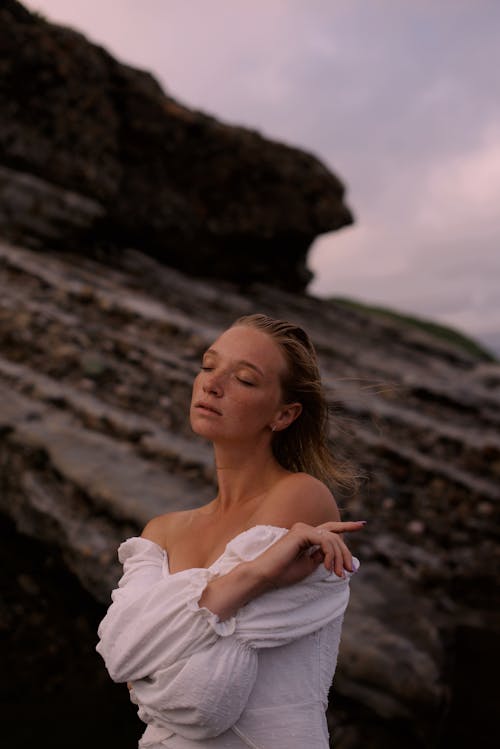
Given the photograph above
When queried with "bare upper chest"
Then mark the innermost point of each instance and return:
(200, 541)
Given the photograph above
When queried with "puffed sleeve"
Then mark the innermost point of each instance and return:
(280, 616)
(154, 619)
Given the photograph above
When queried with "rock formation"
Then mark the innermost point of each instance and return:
(104, 181)
(95, 154)
(95, 375)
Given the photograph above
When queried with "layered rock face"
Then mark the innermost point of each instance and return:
(94, 154)
(103, 180)
(95, 375)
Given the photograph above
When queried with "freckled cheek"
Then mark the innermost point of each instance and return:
(254, 409)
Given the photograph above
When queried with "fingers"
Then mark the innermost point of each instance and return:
(327, 537)
(338, 526)
(340, 557)
(343, 559)
(336, 555)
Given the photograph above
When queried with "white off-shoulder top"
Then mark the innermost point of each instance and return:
(259, 679)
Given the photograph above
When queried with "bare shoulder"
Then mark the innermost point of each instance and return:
(299, 497)
(161, 527)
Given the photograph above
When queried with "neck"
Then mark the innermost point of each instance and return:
(244, 472)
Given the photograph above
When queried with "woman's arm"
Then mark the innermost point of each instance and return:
(286, 562)
(300, 497)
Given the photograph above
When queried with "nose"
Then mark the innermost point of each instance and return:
(212, 384)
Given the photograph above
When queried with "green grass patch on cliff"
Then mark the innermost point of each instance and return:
(443, 332)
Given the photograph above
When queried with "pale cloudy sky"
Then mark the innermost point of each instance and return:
(399, 97)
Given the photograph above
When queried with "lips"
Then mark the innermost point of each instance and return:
(207, 407)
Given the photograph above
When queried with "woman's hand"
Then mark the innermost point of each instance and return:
(290, 559)
(294, 556)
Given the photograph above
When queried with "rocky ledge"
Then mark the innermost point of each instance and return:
(95, 155)
(96, 366)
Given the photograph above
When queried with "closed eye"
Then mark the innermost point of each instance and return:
(246, 382)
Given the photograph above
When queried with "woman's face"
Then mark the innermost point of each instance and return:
(237, 394)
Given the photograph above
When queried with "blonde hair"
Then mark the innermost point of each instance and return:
(304, 445)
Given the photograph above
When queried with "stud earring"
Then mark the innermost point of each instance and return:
(273, 427)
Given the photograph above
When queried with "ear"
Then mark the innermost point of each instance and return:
(286, 416)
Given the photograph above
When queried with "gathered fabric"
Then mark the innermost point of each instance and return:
(257, 679)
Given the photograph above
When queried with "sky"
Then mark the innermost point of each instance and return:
(399, 98)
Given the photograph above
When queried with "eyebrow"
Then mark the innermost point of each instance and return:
(243, 362)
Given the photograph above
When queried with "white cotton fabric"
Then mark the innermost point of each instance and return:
(258, 679)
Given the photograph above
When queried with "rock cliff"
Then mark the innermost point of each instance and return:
(95, 373)
(94, 153)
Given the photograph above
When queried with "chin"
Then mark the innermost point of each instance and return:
(204, 428)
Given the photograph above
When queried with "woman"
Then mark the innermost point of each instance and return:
(226, 622)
